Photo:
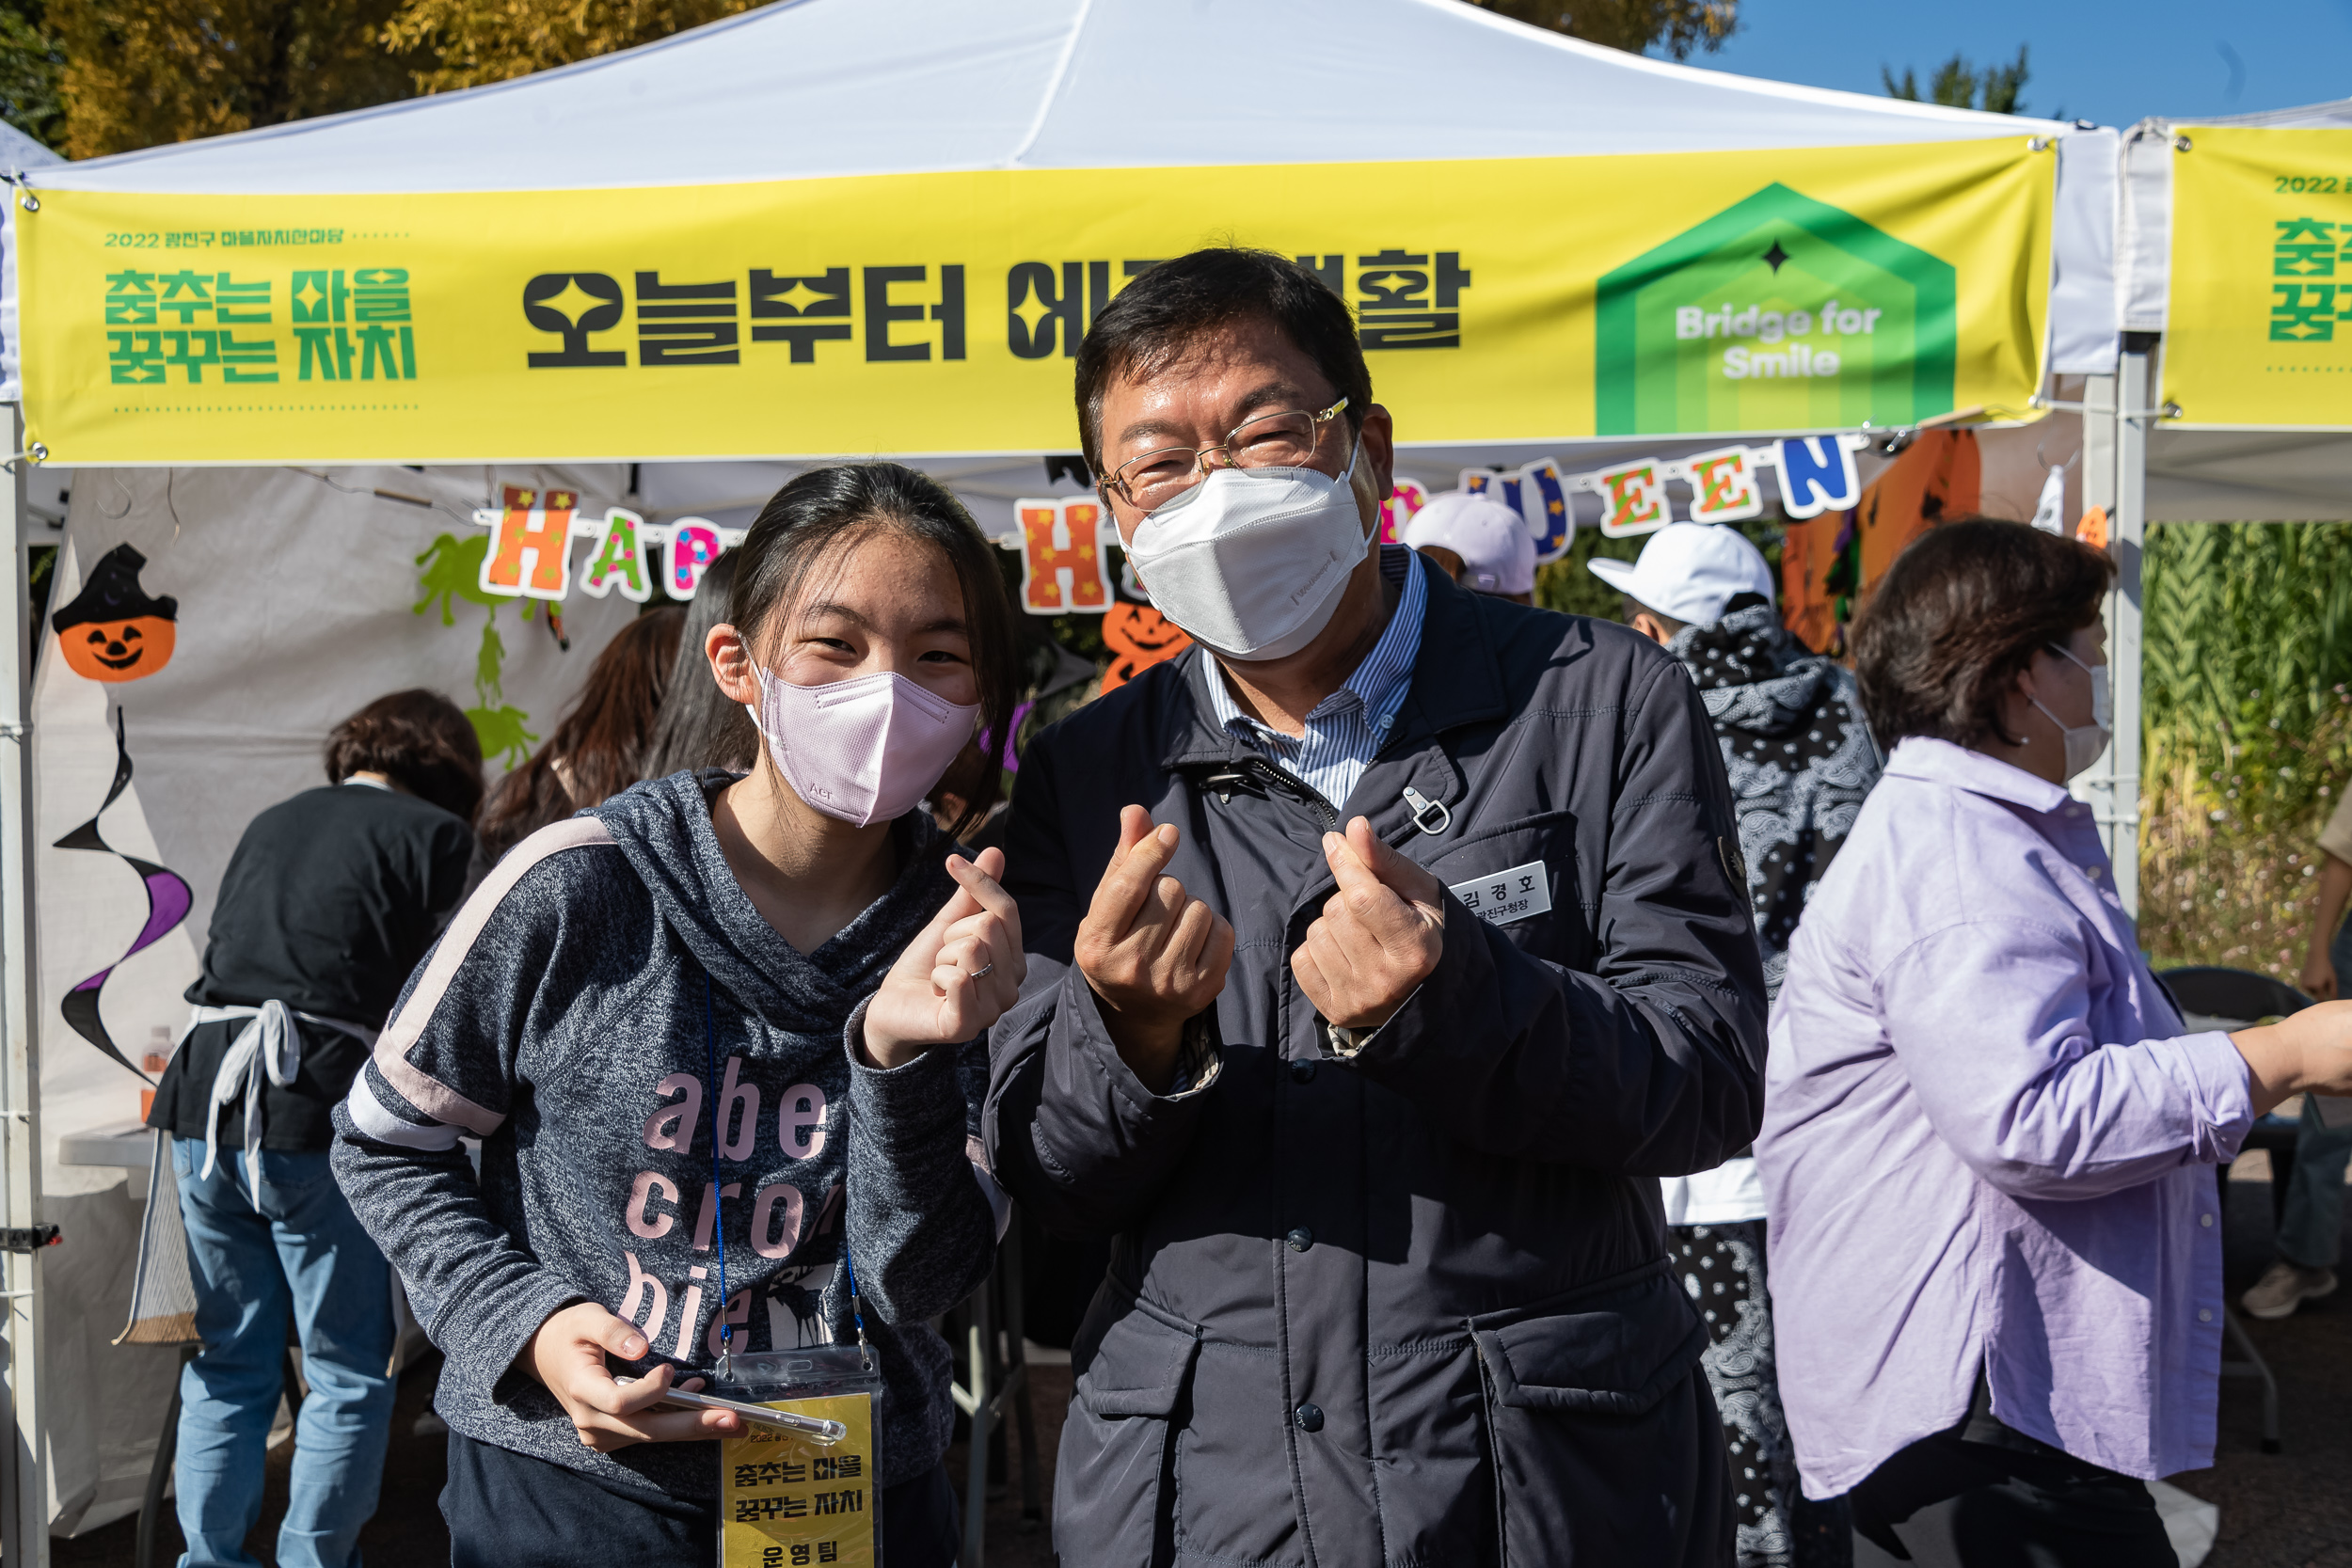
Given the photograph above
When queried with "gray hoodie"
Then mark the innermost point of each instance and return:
(600, 1007)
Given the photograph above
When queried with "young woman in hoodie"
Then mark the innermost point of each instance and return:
(721, 1026)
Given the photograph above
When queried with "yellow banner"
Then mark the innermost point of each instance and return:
(2259, 327)
(1527, 299)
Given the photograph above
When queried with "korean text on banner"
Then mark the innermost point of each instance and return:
(1524, 299)
(2259, 328)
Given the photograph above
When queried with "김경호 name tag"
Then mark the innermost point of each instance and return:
(1507, 896)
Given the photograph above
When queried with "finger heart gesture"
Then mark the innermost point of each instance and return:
(1378, 937)
(958, 976)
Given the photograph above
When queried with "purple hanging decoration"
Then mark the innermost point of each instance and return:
(168, 901)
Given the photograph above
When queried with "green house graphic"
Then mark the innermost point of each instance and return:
(1780, 312)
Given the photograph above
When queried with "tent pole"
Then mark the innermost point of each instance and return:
(2128, 532)
(2098, 431)
(24, 1461)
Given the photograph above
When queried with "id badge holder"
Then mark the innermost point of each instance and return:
(786, 1500)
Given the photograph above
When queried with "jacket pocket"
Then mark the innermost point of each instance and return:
(1114, 1486)
(1605, 1441)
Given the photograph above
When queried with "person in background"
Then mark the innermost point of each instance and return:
(599, 746)
(720, 1037)
(2310, 1227)
(1801, 760)
(1385, 950)
(331, 899)
(1989, 1138)
(699, 725)
(1481, 544)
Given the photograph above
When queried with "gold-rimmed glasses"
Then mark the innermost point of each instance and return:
(1284, 440)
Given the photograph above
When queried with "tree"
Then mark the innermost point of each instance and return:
(470, 42)
(138, 72)
(1957, 84)
(32, 65)
(1677, 27)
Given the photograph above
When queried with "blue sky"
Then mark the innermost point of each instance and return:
(2096, 59)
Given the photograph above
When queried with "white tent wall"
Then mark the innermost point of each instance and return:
(298, 600)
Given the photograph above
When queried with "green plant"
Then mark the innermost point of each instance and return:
(2248, 736)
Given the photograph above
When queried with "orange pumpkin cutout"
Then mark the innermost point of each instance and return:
(1139, 637)
(113, 631)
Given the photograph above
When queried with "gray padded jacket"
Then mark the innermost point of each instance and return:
(605, 1005)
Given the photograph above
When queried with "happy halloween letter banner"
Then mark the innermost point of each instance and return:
(2259, 327)
(1522, 299)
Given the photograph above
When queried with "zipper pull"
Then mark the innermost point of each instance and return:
(1422, 806)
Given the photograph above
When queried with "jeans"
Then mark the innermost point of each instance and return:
(304, 1253)
(2310, 1230)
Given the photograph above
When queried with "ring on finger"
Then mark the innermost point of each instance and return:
(985, 969)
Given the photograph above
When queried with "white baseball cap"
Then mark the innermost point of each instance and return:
(1690, 570)
(1498, 553)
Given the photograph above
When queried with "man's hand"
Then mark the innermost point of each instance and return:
(2319, 971)
(1155, 957)
(937, 992)
(1378, 937)
(567, 1354)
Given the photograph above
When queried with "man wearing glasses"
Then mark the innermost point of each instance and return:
(1384, 951)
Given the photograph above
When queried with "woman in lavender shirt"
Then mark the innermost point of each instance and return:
(1988, 1137)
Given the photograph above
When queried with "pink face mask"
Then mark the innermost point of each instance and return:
(864, 751)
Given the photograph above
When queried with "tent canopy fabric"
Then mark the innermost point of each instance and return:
(806, 89)
(20, 153)
(811, 88)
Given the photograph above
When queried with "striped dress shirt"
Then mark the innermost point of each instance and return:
(1345, 730)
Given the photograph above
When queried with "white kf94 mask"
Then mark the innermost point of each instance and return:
(1252, 562)
(2084, 742)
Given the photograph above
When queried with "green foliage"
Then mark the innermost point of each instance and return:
(137, 73)
(1957, 84)
(32, 72)
(1676, 26)
(2248, 680)
(465, 43)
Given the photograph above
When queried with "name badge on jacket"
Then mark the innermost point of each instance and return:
(1507, 896)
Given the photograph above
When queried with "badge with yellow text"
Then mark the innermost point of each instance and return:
(785, 1500)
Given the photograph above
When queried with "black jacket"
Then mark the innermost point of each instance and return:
(1447, 1246)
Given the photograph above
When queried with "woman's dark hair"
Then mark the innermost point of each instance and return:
(779, 561)
(597, 745)
(1959, 615)
(1154, 320)
(701, 726)
(418, 740)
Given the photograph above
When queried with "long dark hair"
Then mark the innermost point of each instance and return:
(418, 740)
(595, 751)
(799, 527)
(1959, 614)
(701, 726)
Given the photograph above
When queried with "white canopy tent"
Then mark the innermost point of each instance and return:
(812, 88)
(2145, 464)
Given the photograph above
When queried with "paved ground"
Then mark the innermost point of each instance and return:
(2291, 1509)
